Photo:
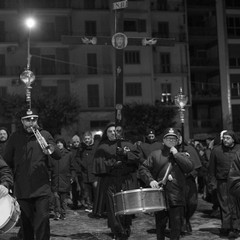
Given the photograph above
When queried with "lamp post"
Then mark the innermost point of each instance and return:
(180, 102)
(27, 76)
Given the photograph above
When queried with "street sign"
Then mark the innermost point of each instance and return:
(120, 5)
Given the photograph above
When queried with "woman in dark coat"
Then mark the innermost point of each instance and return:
(63, 173)
(116, 162)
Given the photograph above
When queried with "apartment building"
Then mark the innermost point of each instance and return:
(72, 54)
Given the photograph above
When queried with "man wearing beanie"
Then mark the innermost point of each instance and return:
(220, 162)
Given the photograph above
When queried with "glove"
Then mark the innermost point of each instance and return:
(154, 184)
(120, 151)
(3, 191)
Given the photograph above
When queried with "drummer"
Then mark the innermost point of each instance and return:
(153, 172)
(116, 162)
(6, 178)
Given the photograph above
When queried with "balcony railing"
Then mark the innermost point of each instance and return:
(204, 62)
(100, 69)
(9, 37)
(205, 91)
(200, 31)
(170, 69)
(179, 37)
(48, 4)
(10, 70)
(167, 6)
(9, 4)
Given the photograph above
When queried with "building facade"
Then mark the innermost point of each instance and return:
(72, 54)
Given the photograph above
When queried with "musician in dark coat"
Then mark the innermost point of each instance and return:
(6, 178)
(116, 160)
(152, 172)
(29, 163)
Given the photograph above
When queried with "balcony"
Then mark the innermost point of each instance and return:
(48, 4)
(10, 70)
(170, 69)
(206, 62)
(9, 37)
(86, 70)
(202, 31)
(162, 6)
(206, 91)
(179, 37)
(9, 4)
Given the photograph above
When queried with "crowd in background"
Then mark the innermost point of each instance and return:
(77, 183)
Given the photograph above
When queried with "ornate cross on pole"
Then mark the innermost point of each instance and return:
(119, 41)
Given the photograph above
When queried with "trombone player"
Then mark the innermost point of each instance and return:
(27, 154)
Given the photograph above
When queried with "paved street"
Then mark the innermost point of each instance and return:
(79, 226)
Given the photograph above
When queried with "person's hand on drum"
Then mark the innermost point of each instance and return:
(154, 184)
(3, 191)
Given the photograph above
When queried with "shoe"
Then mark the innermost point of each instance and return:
(233, 234)
(62, 217)
(224, 232)
(56, 218)
(93, 215)
(88, 210)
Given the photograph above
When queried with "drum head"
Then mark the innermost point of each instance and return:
(5, 209)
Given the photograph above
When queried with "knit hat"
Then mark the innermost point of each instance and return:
(230, 133)
(76, 138)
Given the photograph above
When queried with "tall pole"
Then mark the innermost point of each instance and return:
(180, 102)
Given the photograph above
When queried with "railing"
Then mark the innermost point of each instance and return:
(9, 37)
(170, 69)
(200, 31)
(167, 6)
(204, 62)
(100, 69)
(48, 4)
(179, 37)
(10, 70)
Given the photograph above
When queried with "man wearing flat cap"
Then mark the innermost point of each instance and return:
(166, 168)
(220, 162)
(29, 162)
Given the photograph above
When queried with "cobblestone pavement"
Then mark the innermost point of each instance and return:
(79, 226)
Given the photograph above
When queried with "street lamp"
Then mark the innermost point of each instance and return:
(180, 102)
(27, 76)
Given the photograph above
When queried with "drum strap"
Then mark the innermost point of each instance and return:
(165, 178)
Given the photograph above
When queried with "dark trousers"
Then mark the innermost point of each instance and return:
(227, 206)
(60, 205)
(175, 217)
(35, 218)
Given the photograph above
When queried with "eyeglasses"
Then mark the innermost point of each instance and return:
(172, 139)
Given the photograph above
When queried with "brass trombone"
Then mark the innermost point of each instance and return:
(42, 141)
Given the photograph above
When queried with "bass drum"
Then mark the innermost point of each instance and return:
(139, 200)
(9, 213)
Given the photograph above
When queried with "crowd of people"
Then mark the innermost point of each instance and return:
(47, 176)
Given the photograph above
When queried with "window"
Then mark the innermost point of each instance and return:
(48, 31)
(236, 117)
(163, 29)
(89, 4)
(133, 89)
(132, 57)
(135, 25)
(48, 64)
(166, 93)
(93, 95)
(63, 88)
(165, 62)
(234, 62)
(233, 26)
(235, 89)
(49, 90)
(3, 92)
(92, 63)
(90, 28)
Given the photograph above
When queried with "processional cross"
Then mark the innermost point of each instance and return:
(119, 41)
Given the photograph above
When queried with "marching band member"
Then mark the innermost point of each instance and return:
(27, 155)
(152, 172)
(116, 161)
(6, 178)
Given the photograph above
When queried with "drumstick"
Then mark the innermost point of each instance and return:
(164, 180)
